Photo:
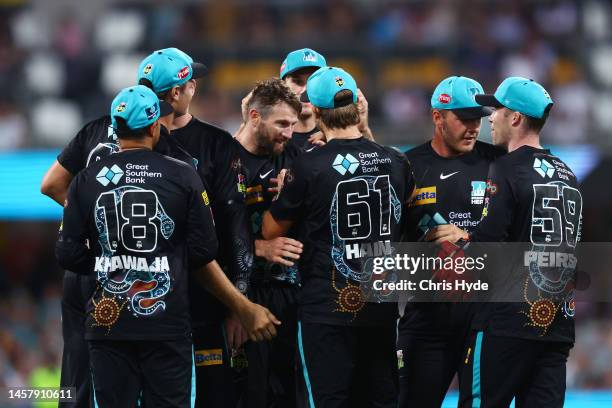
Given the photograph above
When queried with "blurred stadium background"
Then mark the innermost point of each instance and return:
(62, 61)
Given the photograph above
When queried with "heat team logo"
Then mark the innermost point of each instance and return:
(121, 107)
(147, 69)
(309, 56)
(479, 189)
(339, 81)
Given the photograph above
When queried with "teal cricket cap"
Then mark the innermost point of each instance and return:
(519, 94)
(457, 93)
(167, 68)
(299, 59)
(325, 83)
(135, 108)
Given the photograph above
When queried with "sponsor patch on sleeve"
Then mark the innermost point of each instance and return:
(205, 198)
(425, 195)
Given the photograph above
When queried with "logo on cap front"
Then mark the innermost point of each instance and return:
(147, 69)
(121, 107)
(444, 98)
(339, 81)
(310, 56)
(183, 73)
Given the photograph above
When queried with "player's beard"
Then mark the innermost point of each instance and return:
(266, 141)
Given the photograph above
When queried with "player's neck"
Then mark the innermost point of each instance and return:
(527, 139)
(351, 132)
(126, 144)
(181, 121)
(306, 125)
(247, 139)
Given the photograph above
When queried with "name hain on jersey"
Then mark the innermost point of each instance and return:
(367, 249)
(136, 173)
(128, 262)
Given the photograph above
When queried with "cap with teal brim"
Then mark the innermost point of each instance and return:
(299, 59)
(136, 108)
(324, 85)
(457, 94)
(167, 68)
(519, 94)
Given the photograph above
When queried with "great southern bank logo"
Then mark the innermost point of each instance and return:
(112, 175)
(543, 168)
(342, 164)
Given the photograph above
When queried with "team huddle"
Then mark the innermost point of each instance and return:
(215, 270)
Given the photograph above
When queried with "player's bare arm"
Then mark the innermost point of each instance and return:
(272, 228)
(55, 183)
(258, 321)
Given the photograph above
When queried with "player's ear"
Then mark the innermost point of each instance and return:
(517, 119)
(254, 117)
(436, 116)
(316, 111)
(174, 93)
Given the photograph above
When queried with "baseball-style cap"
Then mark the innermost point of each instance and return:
(519, 94)
(170, 67)
(325, 83)
(299, 59)
(138, 106)
(456, 93)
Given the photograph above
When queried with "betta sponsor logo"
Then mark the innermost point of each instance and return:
(425, 195)
(183, 73)
(444, 98)
(208, 357)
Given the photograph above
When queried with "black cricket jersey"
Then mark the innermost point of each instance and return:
(258, 170)
(448, 191)
(97, 139)
(348, 199)
(533, 197)
(220, 168)
(137, 221)
(298, 144)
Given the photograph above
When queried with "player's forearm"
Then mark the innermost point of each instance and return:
(55, 183)
(271, 228)
(212, 278)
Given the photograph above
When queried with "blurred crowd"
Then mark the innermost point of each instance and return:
(61, 62)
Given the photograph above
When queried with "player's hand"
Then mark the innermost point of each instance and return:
(446, 232)
(244, 107)
(259, 322)
(279, 250)
(277, 183)
(317, 138)
(236, 334)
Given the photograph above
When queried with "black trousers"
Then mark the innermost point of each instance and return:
(75, 356)
(499, 369)
(272, 371)
(346, 366)
(214, 375)
(162, 372)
